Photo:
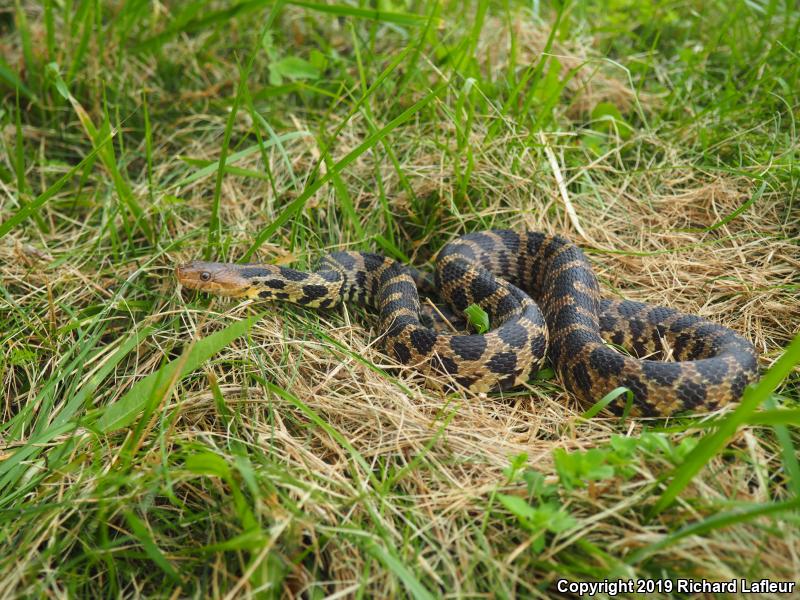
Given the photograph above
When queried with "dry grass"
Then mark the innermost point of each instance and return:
(345, 459)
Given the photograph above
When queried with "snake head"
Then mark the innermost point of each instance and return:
(222, 279)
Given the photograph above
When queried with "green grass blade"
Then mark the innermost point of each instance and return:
(789, 417)
(726, 519)
(608, 399)
(106, 151)
(148, 145)
(124, 411)
(344, 10)
(712, 443)
(142, 535)
(87, 389)
(32, 65)
(345, 201)
(32, 207)
(237, 156)
(13, 467)
(214, 225)
(14, 82)
(297, 204)
(218, 17)
(61, 424)
(317, 420)
(745, 205)
(790, 462)
(396, 566)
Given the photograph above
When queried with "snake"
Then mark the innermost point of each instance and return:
(544, 303)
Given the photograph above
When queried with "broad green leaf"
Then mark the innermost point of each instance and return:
(207, 463)
(294, 68)
(608, 119)
(518, 507)
(477, 317)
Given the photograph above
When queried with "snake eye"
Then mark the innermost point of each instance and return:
(205, 276)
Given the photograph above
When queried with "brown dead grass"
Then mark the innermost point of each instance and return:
(649, 245)
(648, 242)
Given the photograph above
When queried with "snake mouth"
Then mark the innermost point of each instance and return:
(215, 278)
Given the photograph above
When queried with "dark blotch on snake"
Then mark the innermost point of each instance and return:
(465, 381)
(423, 340)
(680, 324)
(330, 276)
(506, 305)
(714, 372)
(661, 372)
(372, 262)
(458, 299)
(250, 272)
(691, 394)
(605, 360)
(402, 353)
(313, 292)
(581, 377)
(639, 389)
(448, 365)
(481, 288)
(738, 383)
(510, 239)
(683, 345)
(293, 275)
(468, 347)
(513, 334)
(344, 259)
(503, 362)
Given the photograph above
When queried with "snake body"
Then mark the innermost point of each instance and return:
(534, 286)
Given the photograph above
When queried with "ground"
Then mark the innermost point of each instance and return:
(161, 443)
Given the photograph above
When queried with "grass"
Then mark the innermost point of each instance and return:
(162, 444)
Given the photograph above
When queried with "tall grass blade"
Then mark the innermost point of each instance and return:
(712, 443)
(345, 10)
(33, 206)
(125, 410)
(726, 519)
(142, 535)
(298, 203)
(237, 156)
(386, 557)
(14, 82)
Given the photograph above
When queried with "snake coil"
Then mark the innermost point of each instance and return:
(534, 286)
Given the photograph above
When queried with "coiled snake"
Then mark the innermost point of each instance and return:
(510, 275)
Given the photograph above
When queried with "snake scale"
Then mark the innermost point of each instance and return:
(541, 296)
